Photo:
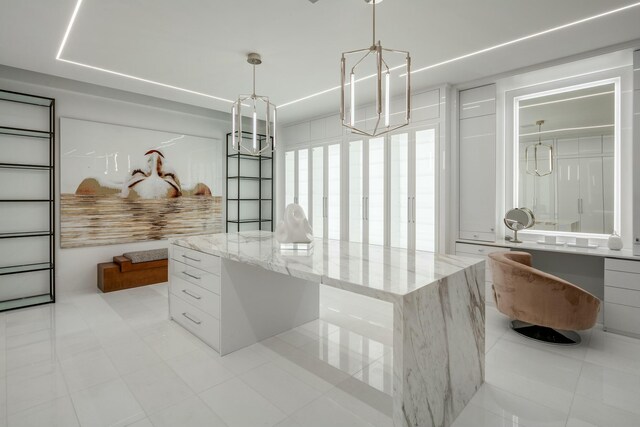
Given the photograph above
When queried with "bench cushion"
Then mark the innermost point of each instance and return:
(146, 256)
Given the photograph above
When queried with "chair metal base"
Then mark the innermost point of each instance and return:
(545, 335)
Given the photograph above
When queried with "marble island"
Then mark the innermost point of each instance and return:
(438, 306)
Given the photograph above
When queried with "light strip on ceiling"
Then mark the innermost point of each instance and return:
(144, 80)
(567, 130)
(313, 95)
(116, 73)
(567, 99)
(530, 36)
(485, 50)
(66, 33)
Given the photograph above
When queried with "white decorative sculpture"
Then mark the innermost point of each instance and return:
(615, 242)
(295, 227)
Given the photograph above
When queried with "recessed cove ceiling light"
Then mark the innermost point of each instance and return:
(79, 3)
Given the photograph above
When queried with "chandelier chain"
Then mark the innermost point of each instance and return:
(374, 23)
(254, 81)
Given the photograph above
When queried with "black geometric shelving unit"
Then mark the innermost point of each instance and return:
(27, 200)
(249, 188)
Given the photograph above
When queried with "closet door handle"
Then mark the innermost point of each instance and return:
(414, 210)
(324, 206)
(409, 209)
(366, 205)
(362, 213)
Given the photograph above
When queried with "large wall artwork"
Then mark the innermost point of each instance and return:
(123, 184)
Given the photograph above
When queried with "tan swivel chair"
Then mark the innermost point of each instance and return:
(541, 306)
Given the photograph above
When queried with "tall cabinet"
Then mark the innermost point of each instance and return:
(636, 152)
(27, 201)
(477, 174)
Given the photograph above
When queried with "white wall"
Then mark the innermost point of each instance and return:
(76, 268)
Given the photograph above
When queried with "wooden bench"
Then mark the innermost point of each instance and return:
(133, 269)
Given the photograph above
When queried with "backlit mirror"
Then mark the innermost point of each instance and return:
(566, 157)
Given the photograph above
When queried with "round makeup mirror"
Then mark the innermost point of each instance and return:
(518, 219)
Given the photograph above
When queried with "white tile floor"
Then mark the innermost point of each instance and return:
(115, 359)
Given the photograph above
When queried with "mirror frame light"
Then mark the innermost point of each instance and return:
(616, 81)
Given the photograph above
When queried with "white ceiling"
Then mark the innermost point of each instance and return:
(201, 45)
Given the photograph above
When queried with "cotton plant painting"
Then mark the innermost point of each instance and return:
(150, 185)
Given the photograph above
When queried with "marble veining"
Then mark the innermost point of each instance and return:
(438, 310)
(376, 271)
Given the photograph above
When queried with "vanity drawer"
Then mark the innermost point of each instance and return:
(621, 279)
(205, 327)
(622, 265)
(622, 318)
(481, 250)
(204, 279)
(206, 262)
(478, 235)
(622, 296)
(196, 296)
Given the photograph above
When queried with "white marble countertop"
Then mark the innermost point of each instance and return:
(377, 271)
(600, 251)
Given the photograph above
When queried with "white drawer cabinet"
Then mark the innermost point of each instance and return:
(482, 250)
(206, 262)
(205, 279)
(622, 296)
(195, 295)
(196, 321)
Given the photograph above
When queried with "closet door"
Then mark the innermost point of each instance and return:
(333, 191)
(399, 190)
(608, 189)
(569, 194)
(289, 177)
(303, 180)
(477, 178)
(591, 196)
(356, 191)
(424, 200)
(375, 183)
(412, 189)
(318, 194)
(477, 163)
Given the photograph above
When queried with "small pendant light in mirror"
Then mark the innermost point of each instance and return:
(541, 153)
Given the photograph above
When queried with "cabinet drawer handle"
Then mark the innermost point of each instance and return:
(188, 257)
(191, 275)
(191, 295)
(197, 322)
